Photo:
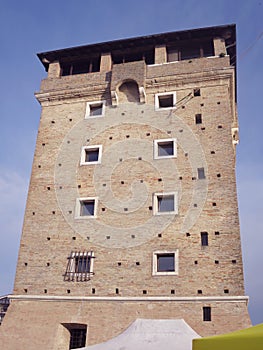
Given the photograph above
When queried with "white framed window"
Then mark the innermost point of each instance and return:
(165, 148)
(95, 109)
(86, 208)
(165, 100)
(91, 155)
(165, 203)
(80, 266)
(165, 263)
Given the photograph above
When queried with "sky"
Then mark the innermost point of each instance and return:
(28, 27)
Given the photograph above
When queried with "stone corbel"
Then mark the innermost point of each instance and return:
(142, 95)
(235, 136)
(114, 98)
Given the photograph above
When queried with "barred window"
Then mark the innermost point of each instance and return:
(80, 266)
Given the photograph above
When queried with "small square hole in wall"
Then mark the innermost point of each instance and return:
(159, 235)
(188, 234)
(25, 290)
(217, 233)
(144, 291)
(234, 261)
(201, 173)
(68, 291)
(165, 100)
(198, 119)
(226, 291)
(216, 262)
(119, 263)
(197, 92)
(91, 155)
(172, 291)
(45, 291)
(95, 109)
(199, 291)
(196, 262)
(117, 290)
(93, 290)
(137, 263)
(214, 204)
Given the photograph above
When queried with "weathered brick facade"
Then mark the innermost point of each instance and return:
(124, 233)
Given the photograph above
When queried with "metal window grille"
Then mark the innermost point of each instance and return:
(80, 266)
(77, 338)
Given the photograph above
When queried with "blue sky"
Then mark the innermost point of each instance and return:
(28, 27)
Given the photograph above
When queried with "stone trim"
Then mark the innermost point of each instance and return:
(218, 299)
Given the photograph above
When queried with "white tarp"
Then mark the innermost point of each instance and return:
(145, 334)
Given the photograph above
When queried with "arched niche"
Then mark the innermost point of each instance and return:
(128, 91)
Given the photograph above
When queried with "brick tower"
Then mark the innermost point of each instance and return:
(132, 207)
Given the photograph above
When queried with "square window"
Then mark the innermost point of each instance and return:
(80, 266)
(86, 208)
(165, 148)
(165, 100)
(95, 109)
(91, 155)
(165, 203)
(165, 263)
